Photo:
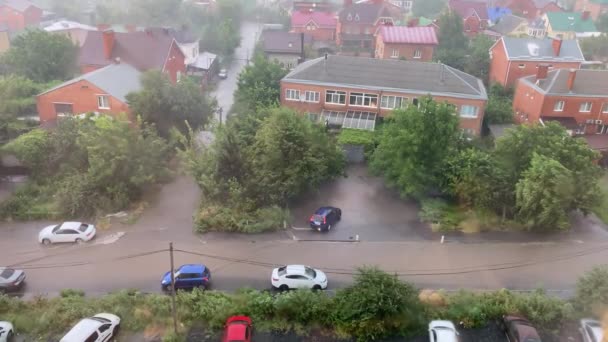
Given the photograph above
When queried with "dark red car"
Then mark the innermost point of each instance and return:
(519, 329)
(237, 329)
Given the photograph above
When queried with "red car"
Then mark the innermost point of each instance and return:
(238, 329)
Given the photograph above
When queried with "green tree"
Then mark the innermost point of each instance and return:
(428, 8)
(592, 291)
(471, 176)
(602, 23)
(17, 99)
(41, 56)
(259, 85)
(414, 144)
(377, 306)
(595, 47)
(544, 194)
(498, 111)
(168, 105)
(453, 44)
(478, 61)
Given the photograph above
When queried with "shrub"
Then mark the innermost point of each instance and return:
(29, 202)
(364, 138)
(441, 214)
(303, 306)
(592, 291)
(227, 219)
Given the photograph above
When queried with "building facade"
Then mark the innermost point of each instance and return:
(320, 25)
(18, 15)
(409, 43)
(473, 13)
(512, 58)
(325, 89)
(596, 8)
(358, 23)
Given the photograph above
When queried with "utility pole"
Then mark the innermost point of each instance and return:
(220, 111)
(173, 309)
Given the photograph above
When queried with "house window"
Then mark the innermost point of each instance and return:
(292, 95)
(392, 102)
(559, 106)
(521, 66)
(335, 97)
(363, 100)
(417, 53)
(468, 111)
(605, 108)
(103, 102)
(395, 53)
(601, 129)
(311, 96)
(407, 5)
(585, 107)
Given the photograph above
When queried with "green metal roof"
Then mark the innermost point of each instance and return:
(570, 21)
(601, 2)
(423, 21)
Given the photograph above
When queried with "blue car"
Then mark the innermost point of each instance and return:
(324, 218)
(188, 277)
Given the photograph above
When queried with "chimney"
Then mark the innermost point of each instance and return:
(541, 71)
(108, 43)
(302, 54)
(102, 27)
(585, 15)
(557, 45)
(571, 77)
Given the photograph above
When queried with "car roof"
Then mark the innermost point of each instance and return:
(445, 334)
(236, 331)
(192, 268)
(295, 269)
(323, 210)
(524, 328)
(595, 326)
(82, 330)
(70, 225)
(442, 324)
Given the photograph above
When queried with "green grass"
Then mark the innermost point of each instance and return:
(601, 209)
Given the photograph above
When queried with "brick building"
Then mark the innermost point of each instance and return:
(17, 15)
(512, 58)
(595, 8)
(353, 92)
(145, 50)
(473, 13)
(578, 99)
(320, 25)
(100, 91)
(409, 43)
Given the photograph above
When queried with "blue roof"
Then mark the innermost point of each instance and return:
(192, 268)
(495, 13)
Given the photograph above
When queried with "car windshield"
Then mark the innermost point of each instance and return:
(310, 272)
(282, 270)
(56, 228)
(100, 319)
(317, 218)
(83, 227)
(7, 273)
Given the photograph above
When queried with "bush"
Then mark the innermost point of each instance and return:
(304, 307)
(592, 291)
(442, 215)
(227, 219)
(363, 138)
(29, 202)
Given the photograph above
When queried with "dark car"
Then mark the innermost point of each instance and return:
(11, 279)
(324, 218)
(519, 329)
(188, 277)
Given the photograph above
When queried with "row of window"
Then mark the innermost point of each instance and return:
(584, 107)
(395, 53)
(337, 97)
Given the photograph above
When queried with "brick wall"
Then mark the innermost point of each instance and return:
(473, 124)
(17, 21)
(407, 51)
(318, 34)
(83, 97)
(175, 63)
(472, 25)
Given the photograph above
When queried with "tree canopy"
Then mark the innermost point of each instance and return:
(478, 60)
(41, 56)
(453, 44)
(168, 105)
(429, 8)
(259, 85)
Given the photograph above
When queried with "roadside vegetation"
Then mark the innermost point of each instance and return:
(601, 207)
(376, 306)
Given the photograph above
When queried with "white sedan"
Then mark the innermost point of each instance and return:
(6, 331)
(442, 331)
(99, 328)
(591, 330)
(67, 232)
(298, 277)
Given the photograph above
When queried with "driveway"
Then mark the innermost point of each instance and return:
(369, 210)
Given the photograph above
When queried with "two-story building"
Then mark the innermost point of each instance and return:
(473, 13)
(287, 48)
(596, 8)
(320, 25)
(145, 50)
(75, 31)
(17, 15)
(570, 25)
(512, 58)
(102, 91)
(409, 43)
(578, 99)
(354, 92)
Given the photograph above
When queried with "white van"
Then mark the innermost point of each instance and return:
(99, 328)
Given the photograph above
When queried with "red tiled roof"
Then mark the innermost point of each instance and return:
(322, 19)
(411, 35)
(144, 50)
(466, 8)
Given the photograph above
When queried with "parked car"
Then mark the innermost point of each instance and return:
(11, 279)
(99, 328)
(187, 276)
(237, 329)
(67, 232)
(6, 331)
(298, 277)
(519, 329)
(223, 74)
(591, 330)
(442, 331)
(325, 217)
